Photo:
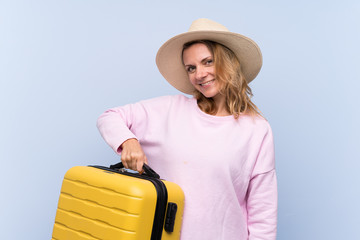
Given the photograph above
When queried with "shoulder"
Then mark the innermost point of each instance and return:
(256, 124)
(167, 100)
(256, 121)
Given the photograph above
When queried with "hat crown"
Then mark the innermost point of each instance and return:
(204, 24)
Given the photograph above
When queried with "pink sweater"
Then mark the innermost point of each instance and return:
(225, 167)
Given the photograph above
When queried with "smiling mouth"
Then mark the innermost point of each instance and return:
(207, 83)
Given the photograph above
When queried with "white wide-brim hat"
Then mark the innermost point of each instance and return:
(169, 56)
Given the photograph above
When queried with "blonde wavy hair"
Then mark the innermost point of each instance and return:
(232, 81)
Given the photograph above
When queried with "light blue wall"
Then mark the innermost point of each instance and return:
(62, 63)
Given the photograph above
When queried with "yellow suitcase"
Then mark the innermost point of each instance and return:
(109, 203)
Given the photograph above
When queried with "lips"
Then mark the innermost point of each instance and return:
(207, 83)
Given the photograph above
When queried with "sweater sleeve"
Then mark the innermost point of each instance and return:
(116, 125)
(262, 194)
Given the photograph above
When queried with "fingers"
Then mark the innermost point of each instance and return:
(133, 161)
(124, 163)
(139, 167)
(132, 155)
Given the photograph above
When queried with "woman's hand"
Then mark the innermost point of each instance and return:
(132, 155)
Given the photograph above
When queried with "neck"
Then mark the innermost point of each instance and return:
(222, 112)
(220, 102)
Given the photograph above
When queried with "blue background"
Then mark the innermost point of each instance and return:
(62, 63)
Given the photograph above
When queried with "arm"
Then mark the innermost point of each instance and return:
(127, 127)
(262, 194)
(119, 129)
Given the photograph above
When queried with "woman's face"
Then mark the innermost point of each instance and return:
(199, 65)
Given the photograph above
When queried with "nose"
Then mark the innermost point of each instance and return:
(200, 73)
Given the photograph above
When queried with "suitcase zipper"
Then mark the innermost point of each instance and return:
(161, 203)
(160, 209)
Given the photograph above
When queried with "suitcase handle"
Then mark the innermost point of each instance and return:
(147, 170)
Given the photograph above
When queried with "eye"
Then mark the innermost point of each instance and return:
(190, 69)
(209, 62)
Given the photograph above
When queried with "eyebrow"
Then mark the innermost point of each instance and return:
(202, 61)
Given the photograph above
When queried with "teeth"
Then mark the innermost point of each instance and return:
(207, 83)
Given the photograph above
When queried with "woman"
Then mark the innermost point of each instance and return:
(215, 145)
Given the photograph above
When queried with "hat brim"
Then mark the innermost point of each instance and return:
(169, 56)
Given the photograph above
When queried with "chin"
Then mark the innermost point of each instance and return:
(209, 94)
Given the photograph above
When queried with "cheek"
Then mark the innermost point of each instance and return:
(212, 70)
(192, 79)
